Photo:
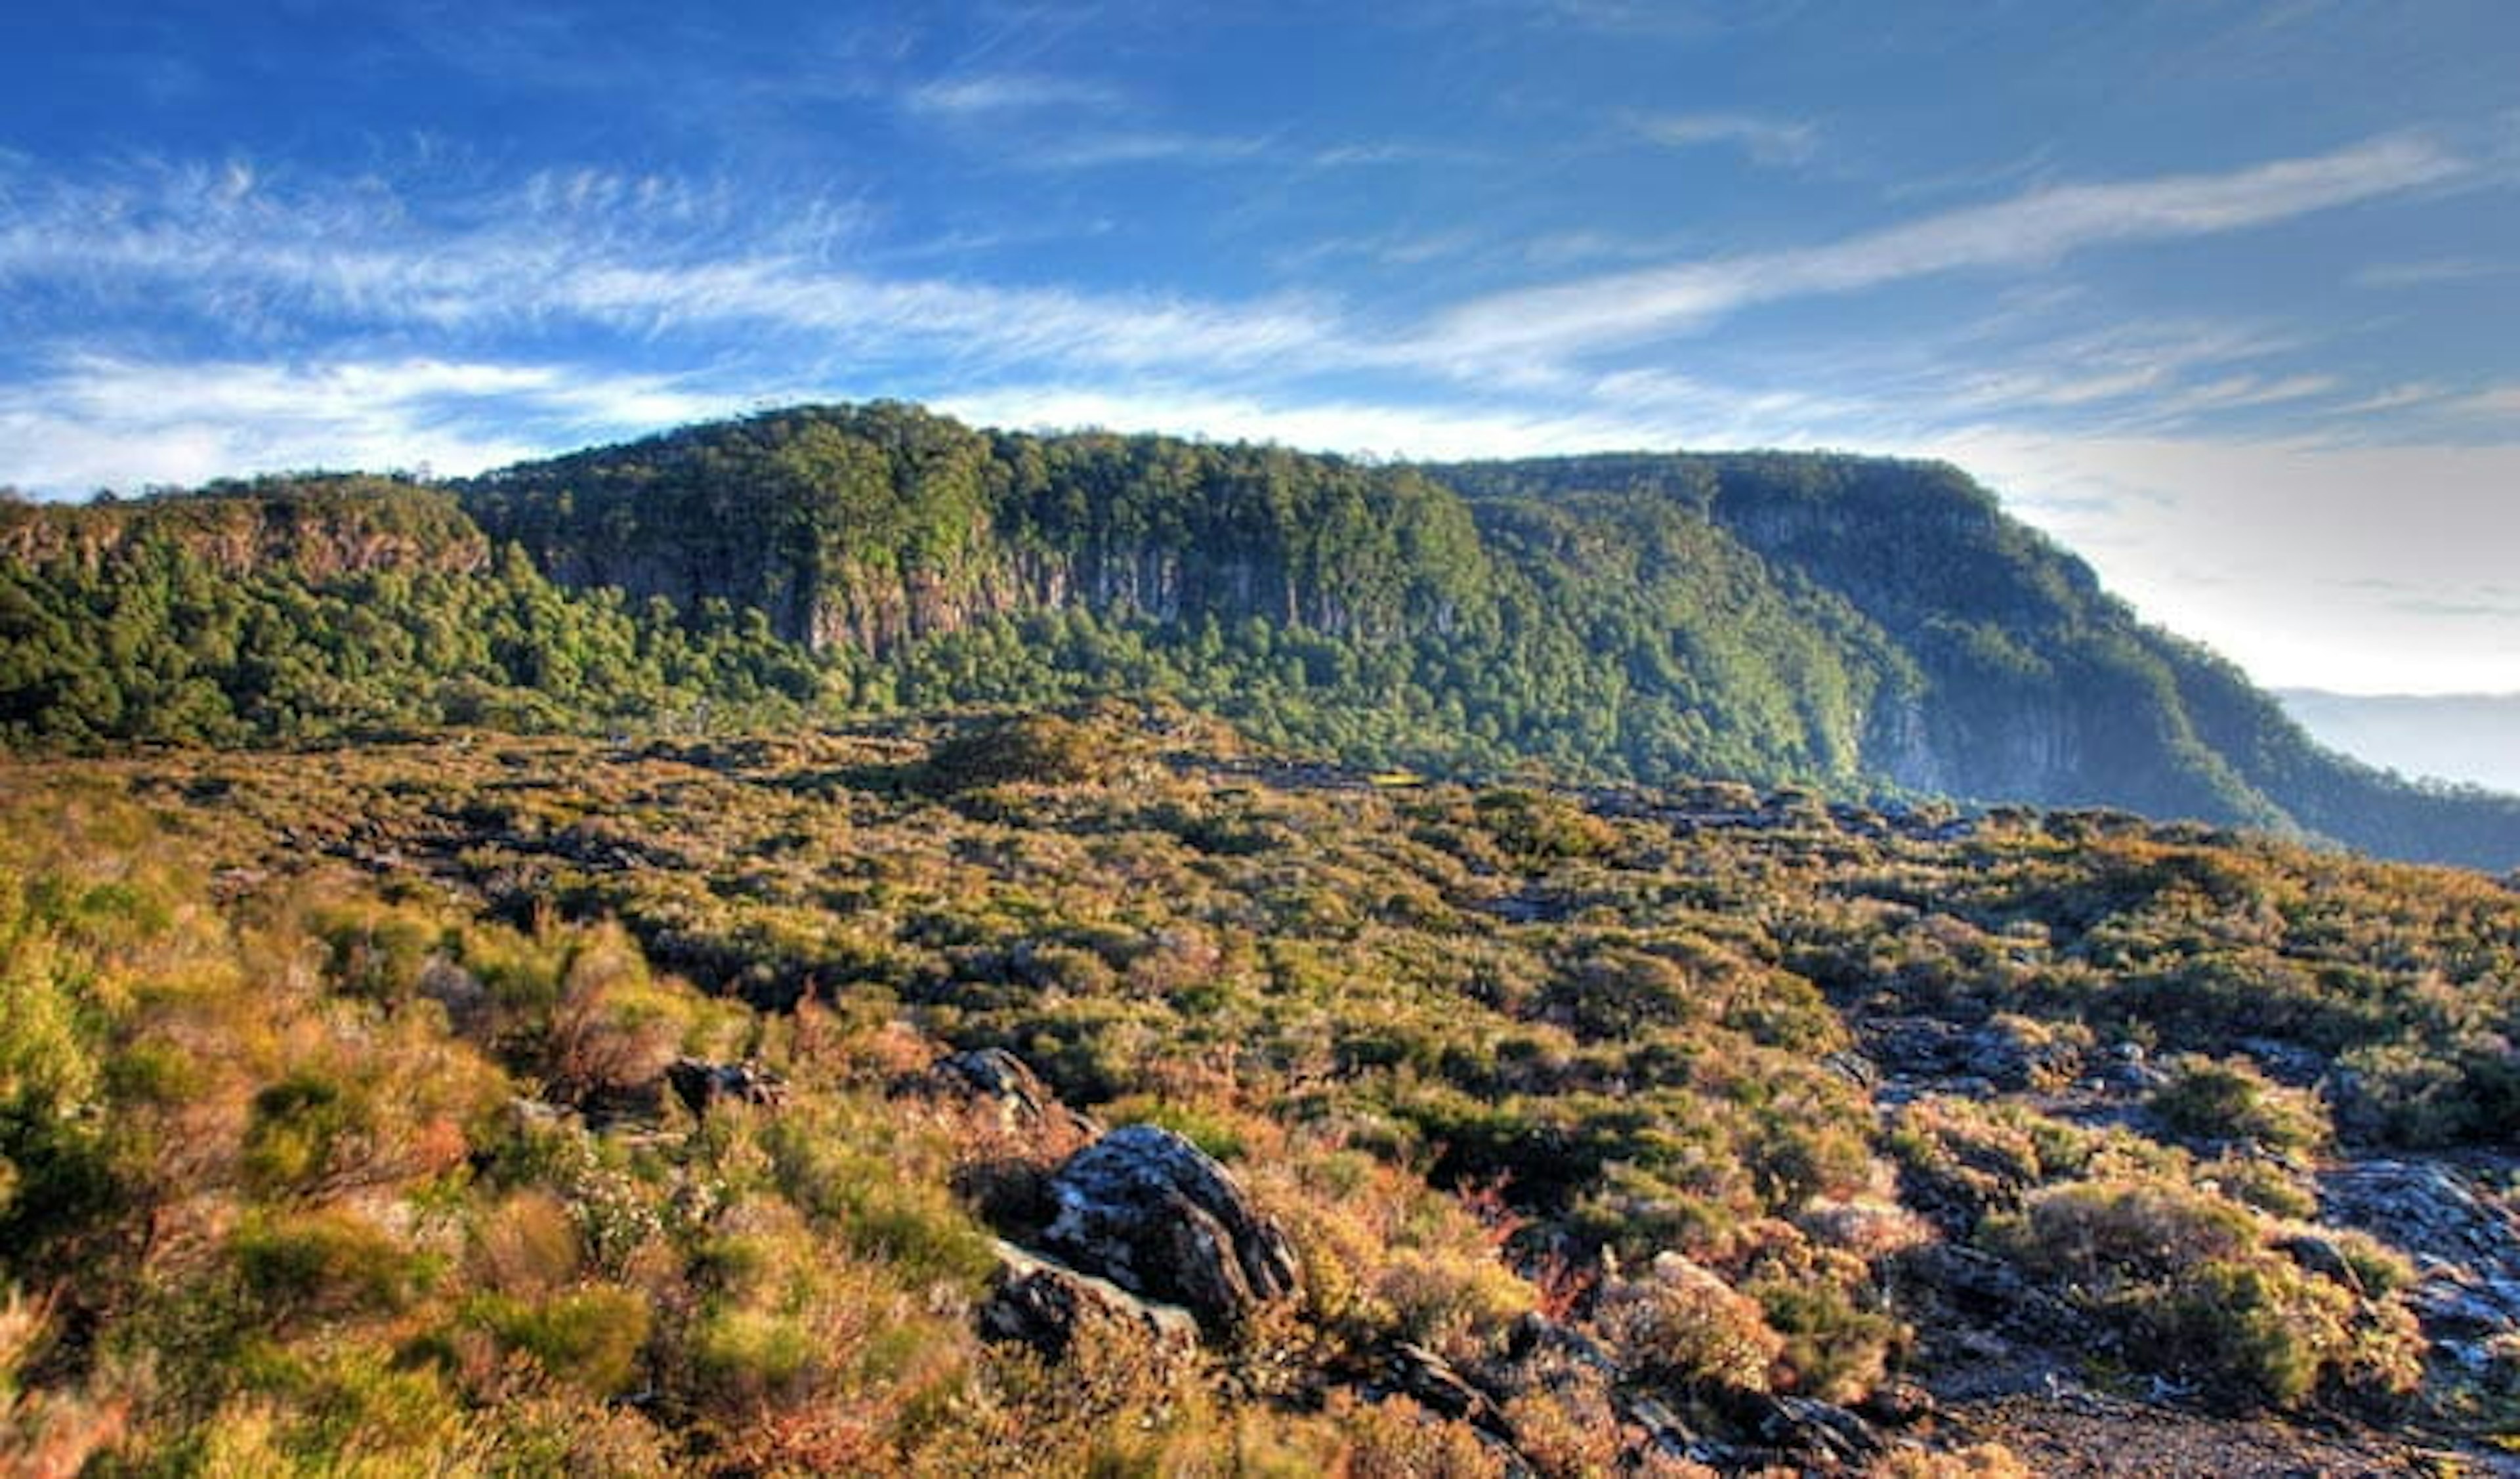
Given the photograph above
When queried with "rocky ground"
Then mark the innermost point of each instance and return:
(1153, 1240)
(1957, 1108)
(2001, 1366)
(2085, 1434)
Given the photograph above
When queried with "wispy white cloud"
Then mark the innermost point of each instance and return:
(2237, 391)
(2396, 397)
(1666, 408)
(1365, 156)
(1006, 92)
(101, 422)
(1565, 249)
(271, 270)
(973, 325)
(1383, 247)
(1098, 147)
(2433, 271)
(655, 260)
(1038, 121)
(1635, 409)
(2143, 370)
(2271, 550)
(1354, 427)
(2041, 388)
(1766, 141)
(2422, 411)
(1975, 179)
(1676, 20)
(2029, 230)
(2501, 401)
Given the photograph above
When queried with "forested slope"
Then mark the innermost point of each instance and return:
(2036, 684)
(1854, 624)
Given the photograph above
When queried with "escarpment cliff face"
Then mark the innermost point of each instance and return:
(873, 526)
(1855, 624)
(2031, 682)
(326, 527)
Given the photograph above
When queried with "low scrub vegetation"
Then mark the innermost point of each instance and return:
(337, 1132)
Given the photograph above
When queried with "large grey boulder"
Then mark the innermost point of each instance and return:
(1153, 1213)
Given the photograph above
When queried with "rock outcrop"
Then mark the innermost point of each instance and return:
(701, 1083)
(1158, 1216)
(1051, 1308)
(2463, 1237)
(994, 1077)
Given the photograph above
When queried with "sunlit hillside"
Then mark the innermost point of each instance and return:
(494, 1104)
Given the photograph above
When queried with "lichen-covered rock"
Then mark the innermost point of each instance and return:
(1413, 1371)
(1153, 1213)
(701, 1083)
(2463, 1237)
(1985, 1290)
(2009, 1054)
(1051, 1308)
(995, 1077)
(1807, 1431)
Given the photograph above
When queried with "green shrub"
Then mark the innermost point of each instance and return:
(1835, 1349)
(2105, 1232)
(747, 1355)
(300, 1128)
(57, 1169)
(2404, 1096)
(2187, 1279)
(330, 1262)
(2267, 1185)
(1534, 827)
(2229, 1100)
(2265, 1329)
(590, 1337)
(1963, 1160)
(376, 952)
(2378, 1268)
(908, 1221)
(1039, 749)
(353, 1409)
(1683, 1323)
(1452, 1301)
(1397, 1439)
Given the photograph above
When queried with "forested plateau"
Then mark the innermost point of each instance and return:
(1865, 627)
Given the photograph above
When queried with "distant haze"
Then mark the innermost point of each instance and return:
(2458, 737)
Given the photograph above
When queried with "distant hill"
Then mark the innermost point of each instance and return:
(2461, 738)
(1858, 624)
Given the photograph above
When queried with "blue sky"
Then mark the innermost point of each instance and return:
(2226, 296)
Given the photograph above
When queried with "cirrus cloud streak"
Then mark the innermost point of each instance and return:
(2028, 230)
